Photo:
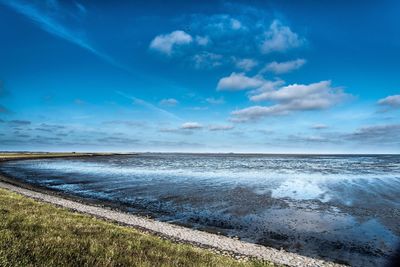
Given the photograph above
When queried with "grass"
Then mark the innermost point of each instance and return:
(33, 155)
(33, 233)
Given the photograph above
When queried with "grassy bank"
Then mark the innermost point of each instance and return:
(38, 155)
(33, 233)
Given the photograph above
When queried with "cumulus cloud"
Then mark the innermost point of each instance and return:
(320, 94)
(191, 126)
(284, 67)
(391, 101)
(245, 64)
(165, 43)
(280, 38)
(221, 127)
(296, 97)
(267, 86)
(239, 81)
(169, 102)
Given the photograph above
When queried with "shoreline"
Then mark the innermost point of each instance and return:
(217, 243)
(37, 156)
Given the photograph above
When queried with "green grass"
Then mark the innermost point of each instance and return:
(35, 155)
(33, 233)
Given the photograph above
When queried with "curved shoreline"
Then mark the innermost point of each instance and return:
(167, 230)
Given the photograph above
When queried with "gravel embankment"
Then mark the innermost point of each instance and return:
(179, 233)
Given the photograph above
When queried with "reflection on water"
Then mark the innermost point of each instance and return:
(344, 208)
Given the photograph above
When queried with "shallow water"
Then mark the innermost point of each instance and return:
(343, 208)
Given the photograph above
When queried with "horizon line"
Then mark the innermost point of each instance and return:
(181, 152)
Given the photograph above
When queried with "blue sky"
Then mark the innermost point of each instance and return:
(204, 76)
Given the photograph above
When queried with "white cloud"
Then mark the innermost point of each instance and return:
(245, 64)
(235, 24)
(267, 86)
(284, 67)
(207, 60)
(239, 81)
(221, 127)
(202, 40)
(256, 112)
(223, 23)
(215, 101)
(296, 97)
(314, 94)
(169, 102)
(191, 126)
(165, 43)
(280, 38)
(392, 101)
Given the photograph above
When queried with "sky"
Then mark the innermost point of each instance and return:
(200, 76)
